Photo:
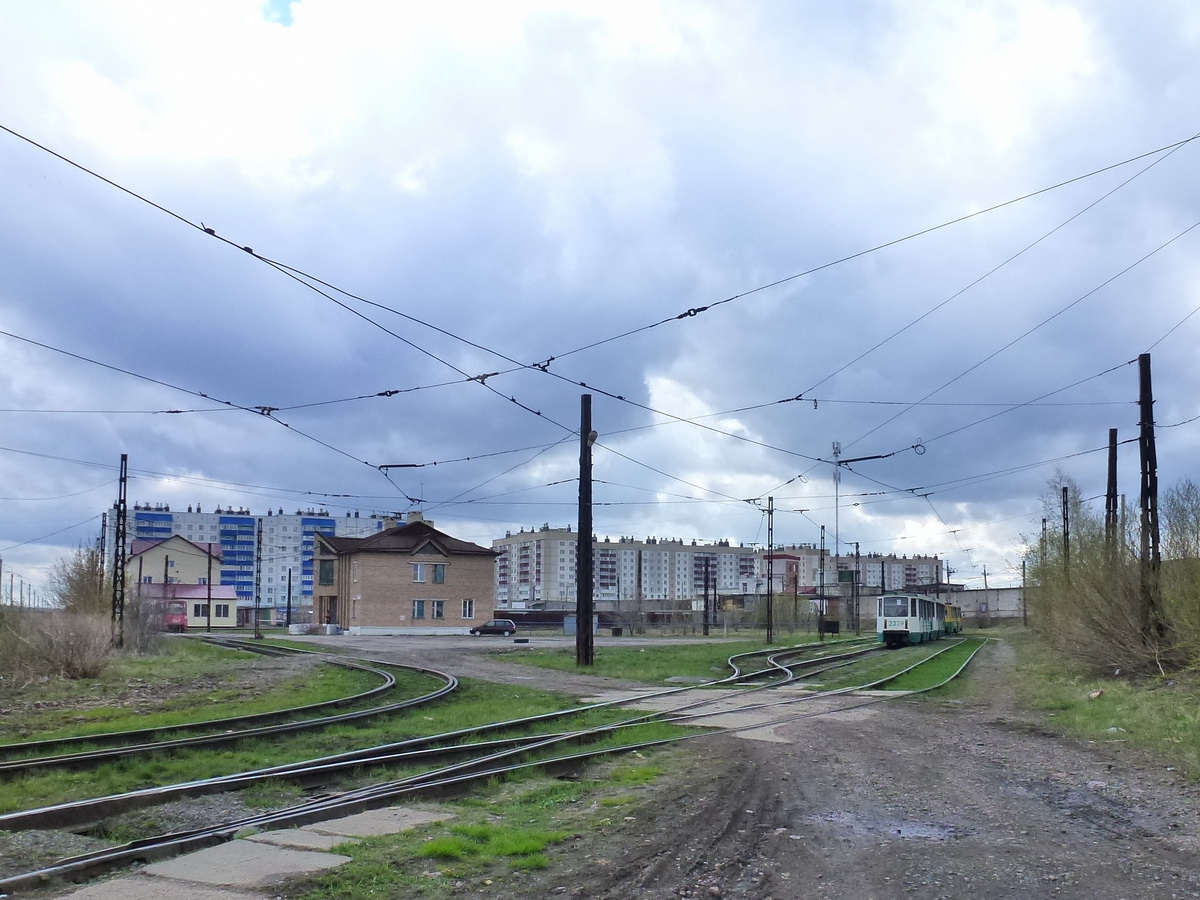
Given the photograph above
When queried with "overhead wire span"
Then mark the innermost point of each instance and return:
(43, 537)
(311, 281)
(261, 411)
(104, 483)
(1001, 265)
(1041, 324)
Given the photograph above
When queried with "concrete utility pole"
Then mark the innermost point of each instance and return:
(208, 583)
(770, 569)
(257, 578)
(821, 588)
(118, 587)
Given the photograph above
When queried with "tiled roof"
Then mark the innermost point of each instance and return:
(412, 538)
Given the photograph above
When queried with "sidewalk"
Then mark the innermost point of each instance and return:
(242, 869)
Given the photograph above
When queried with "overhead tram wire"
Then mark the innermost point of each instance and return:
(1002, 264)
(200, 226)
(262, 411)
(304, 278)
(1090, 206)
(545, 367)
(43, 537)
(1041, 324)
(1033, 402)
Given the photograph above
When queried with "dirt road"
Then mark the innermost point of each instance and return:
(898, 800)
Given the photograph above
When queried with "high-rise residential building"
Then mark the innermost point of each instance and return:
(287, 543)
(807, 569)
(535, 569)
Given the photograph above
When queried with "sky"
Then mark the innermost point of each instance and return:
(372, 255)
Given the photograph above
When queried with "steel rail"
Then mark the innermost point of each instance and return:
(89, 758)
(8, 751)
(377, 795)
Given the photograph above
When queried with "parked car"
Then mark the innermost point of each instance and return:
(496, 626)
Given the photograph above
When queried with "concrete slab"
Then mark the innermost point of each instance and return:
(378, 821)
(143, 887)
(244, 864)
(299, 838)
(724, 709)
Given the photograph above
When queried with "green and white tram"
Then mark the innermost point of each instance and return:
(912, 619)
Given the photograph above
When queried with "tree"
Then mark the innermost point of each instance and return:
(1087, 595)
(79, 584)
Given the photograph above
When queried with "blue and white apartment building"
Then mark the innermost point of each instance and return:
(287, 546)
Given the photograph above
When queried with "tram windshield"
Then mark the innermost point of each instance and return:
(895, 607)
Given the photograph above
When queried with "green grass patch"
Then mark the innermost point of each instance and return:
(1157, 715)
(473, 705)
(218, 694)
(702, 658)
(937, 669)
(499, 831)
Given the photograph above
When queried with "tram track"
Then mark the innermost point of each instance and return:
(15, 759)
(484, 759)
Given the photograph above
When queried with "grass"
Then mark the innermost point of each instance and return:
(937, 669)
(1158, 715)
(174, 699)
(700, 658)
(497, 833)
(474, 704)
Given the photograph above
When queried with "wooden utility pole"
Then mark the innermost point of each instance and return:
(585, 641)
(1110, 498)
(1152, 623)
(707, 605)
(1066, 517)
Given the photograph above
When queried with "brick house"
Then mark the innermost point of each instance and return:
(410, 579)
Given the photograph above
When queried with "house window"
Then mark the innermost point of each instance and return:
(222, 610)
(418, 609)
(468, 609)
(325, 571)
(423, 572)
(199, 610)
(439, 608)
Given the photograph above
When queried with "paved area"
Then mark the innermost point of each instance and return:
(242, 869)
(727, 708)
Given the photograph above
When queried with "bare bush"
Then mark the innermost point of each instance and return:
(1096, 601)
(141, 627)
(79, 583)
(55, 642)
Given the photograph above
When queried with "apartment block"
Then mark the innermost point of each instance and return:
(287, 544)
